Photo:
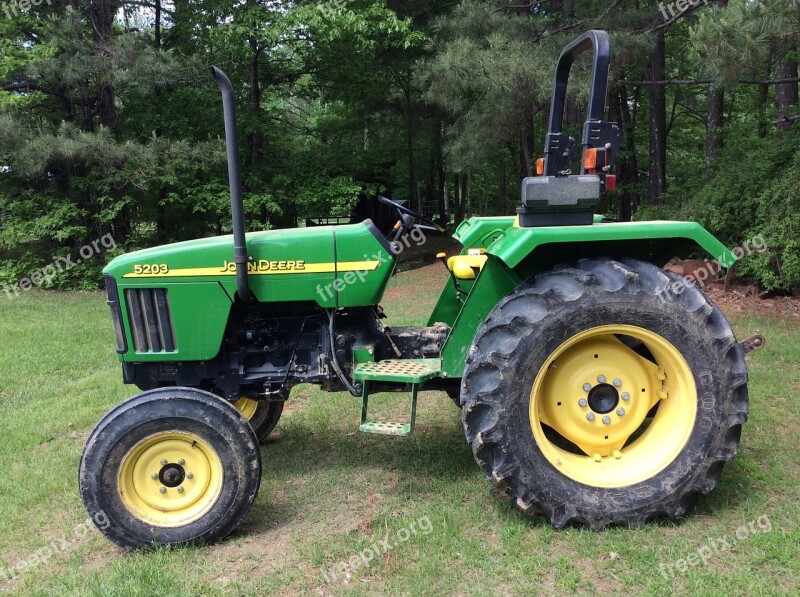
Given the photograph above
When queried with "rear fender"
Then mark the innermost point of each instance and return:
(529, 251)
(521, 253)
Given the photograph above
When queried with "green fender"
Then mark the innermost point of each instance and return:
(517, 254)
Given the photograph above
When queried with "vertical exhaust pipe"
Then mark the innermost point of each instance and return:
(240, 257)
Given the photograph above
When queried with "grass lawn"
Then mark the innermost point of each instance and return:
(330, 492)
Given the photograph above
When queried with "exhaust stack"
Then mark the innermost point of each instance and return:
(240, 257)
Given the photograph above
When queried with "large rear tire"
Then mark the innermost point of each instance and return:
(604, 394)
(170, 466)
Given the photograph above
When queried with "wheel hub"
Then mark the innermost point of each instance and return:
(596, 391)
(603, 398)
(170, 479)
(172, 475)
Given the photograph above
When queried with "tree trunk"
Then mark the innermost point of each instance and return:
(526, 162)
(412, 181)
(715, 111)
(458, 204)
(467, 196)
(161, 211)
(763, 97)
(502, 184)
(627, 169)
(657, 170)
(100, 14)
(785, 94)
(444, 209)
(714, 122)
(254, 108)
(562, 7)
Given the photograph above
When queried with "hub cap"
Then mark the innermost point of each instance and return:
(603, 398)
(613, 405)
(170, 479)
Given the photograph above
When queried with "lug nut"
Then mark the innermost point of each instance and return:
(590, 416)
(180, 489)
(617, 382)
(154, 476)
(181, 462)
(163, 490)
(190, 475)
(601, 378)
(621, 412)
(607, 420)
(163, 462)
(582, 402)
(626, 396)
(587, 387)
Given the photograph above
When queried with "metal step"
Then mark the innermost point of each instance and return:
(385, 428)
(399, 370)
(411, 371)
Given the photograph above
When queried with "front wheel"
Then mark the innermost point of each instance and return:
(600, 395)
(170, 466)
(263, 415)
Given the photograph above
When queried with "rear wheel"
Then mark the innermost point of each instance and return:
(595, 395)
(170, 466)
(263, 415)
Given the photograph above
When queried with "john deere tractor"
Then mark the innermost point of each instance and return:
(594, 387)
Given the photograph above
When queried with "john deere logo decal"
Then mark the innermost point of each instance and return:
(262, 267)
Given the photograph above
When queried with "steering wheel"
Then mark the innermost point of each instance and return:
(408, 219)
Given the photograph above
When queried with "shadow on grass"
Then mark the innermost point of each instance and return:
(299, 448)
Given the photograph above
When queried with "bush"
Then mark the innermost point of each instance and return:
(753, 191)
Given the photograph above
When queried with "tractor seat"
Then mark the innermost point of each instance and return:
(465, 267)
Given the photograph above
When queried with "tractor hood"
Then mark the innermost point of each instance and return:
(333, 266)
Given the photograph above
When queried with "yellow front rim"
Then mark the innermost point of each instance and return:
(613, 406)
(246, 406)
(170, 479)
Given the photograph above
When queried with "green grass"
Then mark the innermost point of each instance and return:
(330, 492)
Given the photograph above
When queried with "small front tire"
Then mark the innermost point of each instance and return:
(170, 466)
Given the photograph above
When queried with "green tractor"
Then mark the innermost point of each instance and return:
(594, 387)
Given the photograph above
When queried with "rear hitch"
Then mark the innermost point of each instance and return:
(753, 343)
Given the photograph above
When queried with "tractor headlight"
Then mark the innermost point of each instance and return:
(116, 313)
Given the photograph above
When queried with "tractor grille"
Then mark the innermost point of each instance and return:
(151, 320)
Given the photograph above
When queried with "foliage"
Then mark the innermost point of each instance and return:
(110, 123)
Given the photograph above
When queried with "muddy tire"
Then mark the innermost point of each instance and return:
(604, 394)
(263, 415)
(170, 466)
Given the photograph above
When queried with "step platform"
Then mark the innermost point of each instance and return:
(410, 371)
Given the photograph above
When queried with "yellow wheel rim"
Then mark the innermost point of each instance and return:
(170, 479)
(246, 406)
(595, 391)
